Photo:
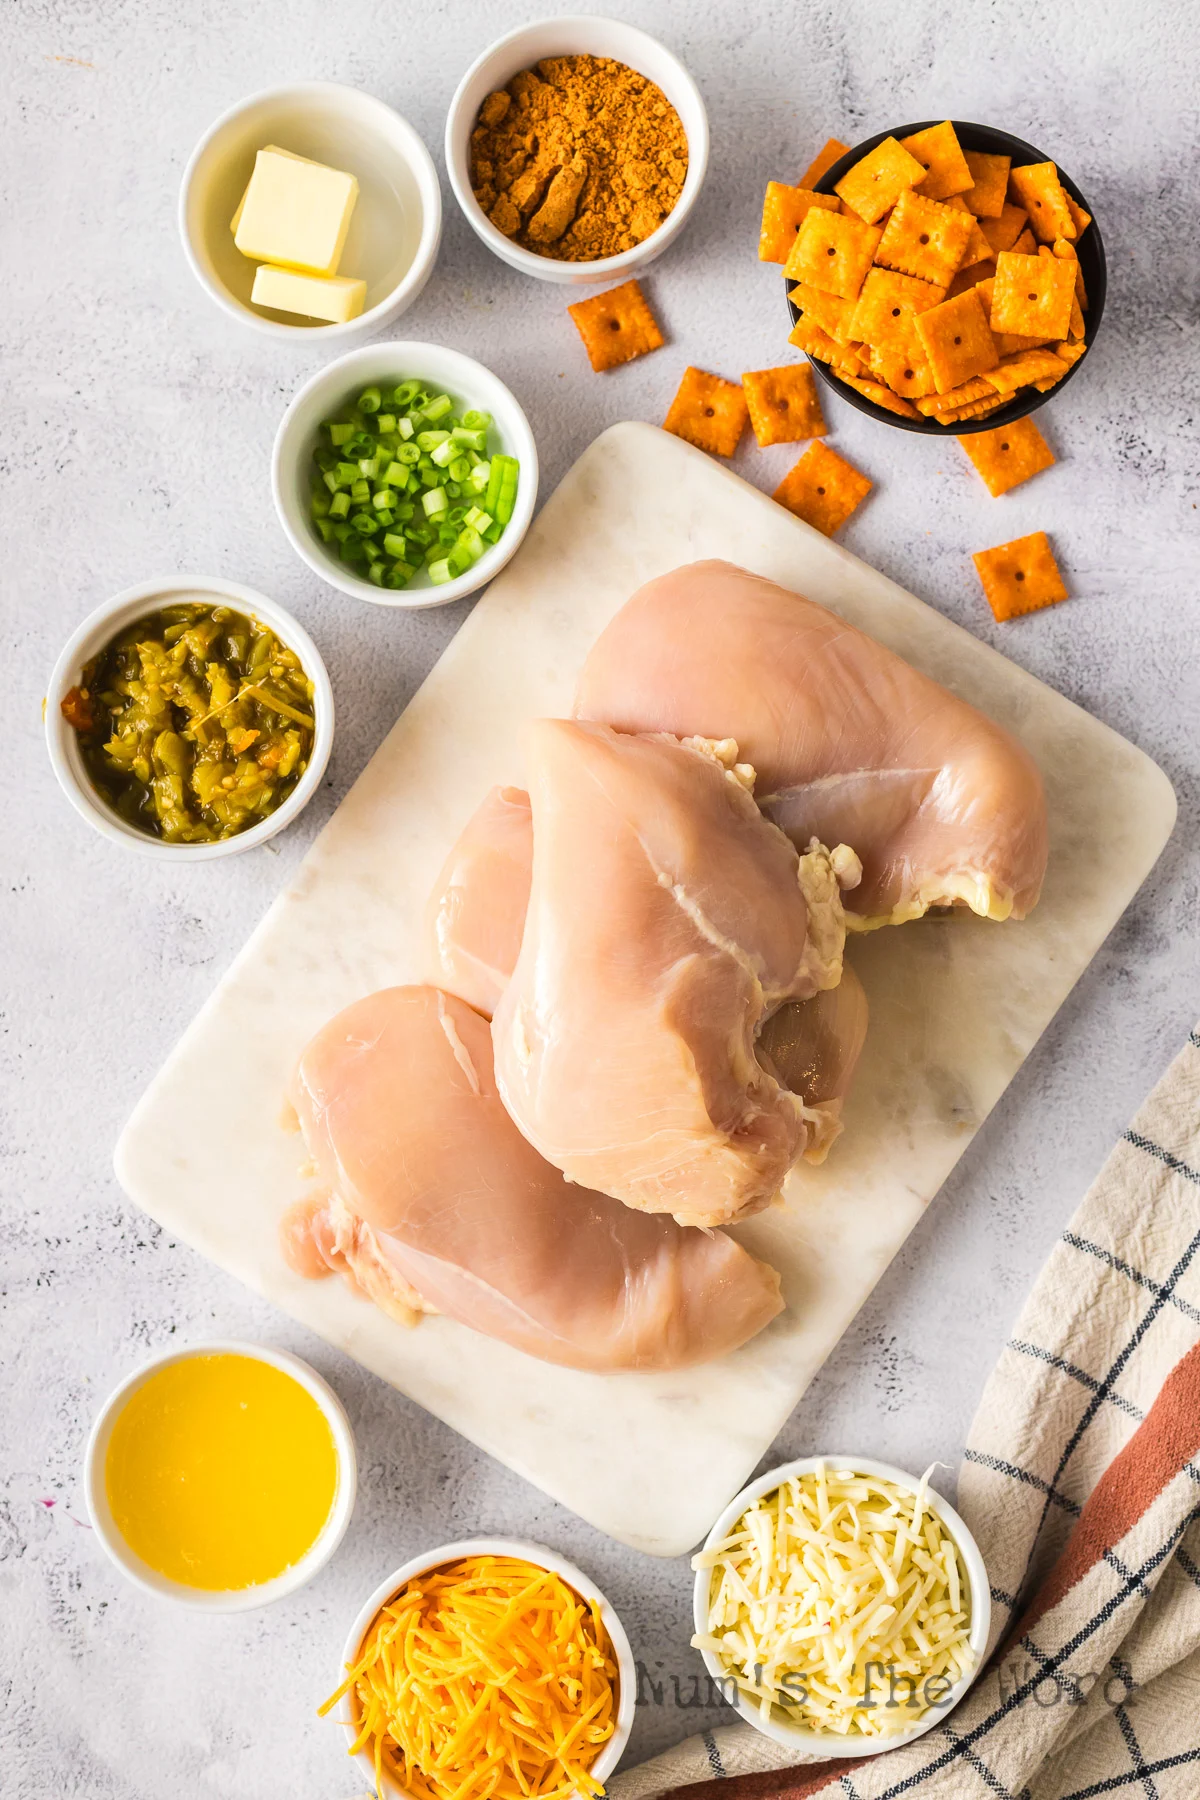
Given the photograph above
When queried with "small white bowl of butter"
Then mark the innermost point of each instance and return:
(393, 199)
(775, 1541)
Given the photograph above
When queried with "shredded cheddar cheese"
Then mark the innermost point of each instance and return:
(486, 1679)
(839, 1603)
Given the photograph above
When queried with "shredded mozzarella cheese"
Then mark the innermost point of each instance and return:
(838, 1602)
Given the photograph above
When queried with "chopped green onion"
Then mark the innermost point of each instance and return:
(477, 519)
(394, 544)
(385, 422)
(339, 506)
(405, 394)
(340, 433)
(477, 421)
(360, 490)
(370, 400)
(441, 571)
(375, 573)
(434, 502)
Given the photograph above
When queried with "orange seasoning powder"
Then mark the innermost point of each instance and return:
(486, 1679)
(579, 158)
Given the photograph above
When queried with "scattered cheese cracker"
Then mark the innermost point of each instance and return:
(616, 326)
(957, 340)
(708, 412)
(1009, 455)
(939, 152)
(784, 405)
(1020, 577)
(1032, 295)
(823, 489)
(989, 183)
(1036, 187)
(784, 212)
(924, 238)
(875, 183)
(833, 253)
(825, 158)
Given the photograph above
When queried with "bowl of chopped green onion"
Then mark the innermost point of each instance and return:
(405, 474)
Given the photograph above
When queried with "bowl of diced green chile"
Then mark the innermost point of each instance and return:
(405, 474)
(190, 718)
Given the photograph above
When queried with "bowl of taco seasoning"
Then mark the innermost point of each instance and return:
(577, 148)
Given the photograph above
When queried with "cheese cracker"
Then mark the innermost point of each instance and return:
(989, 183)
(882, 395)
(886, 300)
(924, 238)
(833, 253)
(1036, 187)
(939, 152)
(957, 340)
(1032, 295)
(1009, 455)
(784, 212)
(1003, 231)
(875, 183)
(825, 158)
(1020, 577)
(616, 326)
(823, 489)
(784, 405)
(708, 412)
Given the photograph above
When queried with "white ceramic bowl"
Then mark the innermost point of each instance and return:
(470, 385)
(607, 1761)
(575, 37)
(397, 223)
(99, 628)
(239, 1599)
(829, 1743)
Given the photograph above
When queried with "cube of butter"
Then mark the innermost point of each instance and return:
(333, 297)
(241, 205)
(296, 213)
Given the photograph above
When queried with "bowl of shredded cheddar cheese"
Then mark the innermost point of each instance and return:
(841, 1605)
(487, 1670)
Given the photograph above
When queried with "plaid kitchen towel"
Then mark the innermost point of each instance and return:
(1081, 1485)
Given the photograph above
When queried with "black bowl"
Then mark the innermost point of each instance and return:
(1091, 260)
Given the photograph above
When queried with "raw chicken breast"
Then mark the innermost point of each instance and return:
(851, 745)
(439, 1204)
(813, 1046)
(476, 912)
(667, 918)
(476, 916)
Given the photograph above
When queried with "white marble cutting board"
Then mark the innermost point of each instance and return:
(956, 1003)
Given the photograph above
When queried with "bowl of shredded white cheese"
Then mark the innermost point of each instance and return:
(840, 1601)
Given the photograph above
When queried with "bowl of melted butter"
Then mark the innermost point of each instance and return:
(221, 1476)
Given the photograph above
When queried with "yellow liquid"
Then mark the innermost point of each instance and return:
(221, 1471)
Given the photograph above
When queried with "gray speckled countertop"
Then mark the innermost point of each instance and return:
(135, 426)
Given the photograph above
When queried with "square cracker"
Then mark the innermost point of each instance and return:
(1022, 370)
(1021, 576)
(833, 253)
(989, 183)
(784, 212)
(708, 412)
(833, 314)
(808, 336)
(1003, 232)
(901, 361)
(925, 238)
(1068, 355)
(1009, 455)
(875, 183)
(784, 406)
(940, 154)
(823, 489)
(1007, 342)
(1036, 187)
(825, 158)
(886, 301)
(1032, 295)
(1069, 253)
(616, 326)
(882, 395)
(970, 276)
(1026, 244)
(957, 340)
(978, 249)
